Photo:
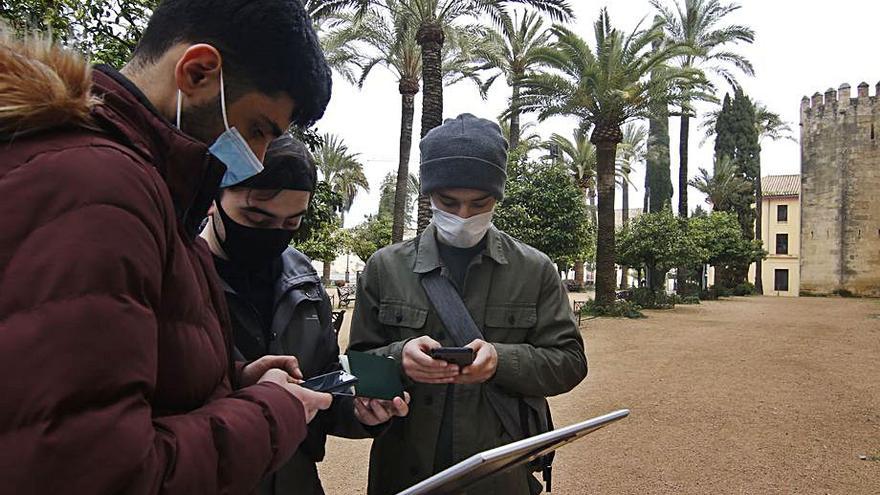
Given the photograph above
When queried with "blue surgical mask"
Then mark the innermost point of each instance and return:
(230, 147)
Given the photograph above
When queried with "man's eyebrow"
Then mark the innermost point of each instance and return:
(483, 198)
(273, 127)
(255, 209)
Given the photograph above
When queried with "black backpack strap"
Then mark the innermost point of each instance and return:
(450, 308)
(458, 322)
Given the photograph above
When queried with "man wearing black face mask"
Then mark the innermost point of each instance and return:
(277, 303)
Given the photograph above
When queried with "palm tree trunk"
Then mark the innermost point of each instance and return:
(683, 272)
(407, 105)
(606, 152)
(514, 117)
(759, 230)
(430, 37)
(684, 136)
(624, 283)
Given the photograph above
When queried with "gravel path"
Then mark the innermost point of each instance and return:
(742, 396)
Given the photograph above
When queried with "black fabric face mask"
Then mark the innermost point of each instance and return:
(251, 246)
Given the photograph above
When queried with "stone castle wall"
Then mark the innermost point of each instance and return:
(840, 192)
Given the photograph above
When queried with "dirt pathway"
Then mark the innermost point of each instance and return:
(748, 395)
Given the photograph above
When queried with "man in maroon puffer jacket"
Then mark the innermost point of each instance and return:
(114, 338)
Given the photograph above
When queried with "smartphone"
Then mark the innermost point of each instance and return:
(461, 356)
(336, 382)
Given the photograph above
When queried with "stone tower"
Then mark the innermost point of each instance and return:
(840, 192)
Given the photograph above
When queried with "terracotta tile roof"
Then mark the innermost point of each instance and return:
(781, 185)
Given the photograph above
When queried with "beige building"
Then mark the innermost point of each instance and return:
(780, 231)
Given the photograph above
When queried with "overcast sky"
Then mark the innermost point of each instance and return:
(801, 47)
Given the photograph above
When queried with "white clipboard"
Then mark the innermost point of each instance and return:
(467, 472)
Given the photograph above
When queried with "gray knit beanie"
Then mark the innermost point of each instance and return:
(466, 152)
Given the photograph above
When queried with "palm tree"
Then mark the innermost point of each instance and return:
(696, 22)
(338, 44)
(341, 169)
(432, 17)
(392, 40)
(723, 188)
(579, 155)
(630, 153)
(606, 87)
(511, 49)
(527, 139)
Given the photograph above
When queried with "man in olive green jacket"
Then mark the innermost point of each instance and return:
(531, 347)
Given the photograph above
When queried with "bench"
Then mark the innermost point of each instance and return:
(346, 295)
(338, 317)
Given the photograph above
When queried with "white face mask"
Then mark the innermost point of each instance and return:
(461, 232)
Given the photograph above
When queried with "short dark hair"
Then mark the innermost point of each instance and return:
(266, 45)
(288, 165)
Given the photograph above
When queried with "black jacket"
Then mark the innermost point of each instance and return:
(302, 327)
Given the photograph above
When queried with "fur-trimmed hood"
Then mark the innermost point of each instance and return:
(42, 86)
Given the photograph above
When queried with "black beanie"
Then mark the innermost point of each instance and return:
(466, 152)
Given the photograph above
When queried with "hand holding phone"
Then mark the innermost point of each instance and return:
(462, 356)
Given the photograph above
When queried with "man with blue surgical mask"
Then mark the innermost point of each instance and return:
(114, 331)
(527, 345)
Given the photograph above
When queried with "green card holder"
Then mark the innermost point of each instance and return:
(378, 377)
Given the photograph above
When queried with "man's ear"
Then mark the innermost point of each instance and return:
(197, 73)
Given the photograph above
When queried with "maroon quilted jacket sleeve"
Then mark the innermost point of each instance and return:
(106, 389)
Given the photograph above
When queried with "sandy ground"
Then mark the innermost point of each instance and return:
(743, 396)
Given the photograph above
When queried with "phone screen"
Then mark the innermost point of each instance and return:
(336, 381)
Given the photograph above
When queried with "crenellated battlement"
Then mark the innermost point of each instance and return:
(839, 100)
(840, 177)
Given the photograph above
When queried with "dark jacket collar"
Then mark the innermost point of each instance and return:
(190, 172)
(296, 269)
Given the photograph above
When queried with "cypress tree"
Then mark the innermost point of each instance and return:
(746, 156)
(724, 141)
(658, 181)
(736, 136)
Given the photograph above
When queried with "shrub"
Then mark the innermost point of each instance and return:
(649, 299)
(745, 289)
(688, 289)
(617, 309)
(715, 292)
(844, 293)
(689, 300)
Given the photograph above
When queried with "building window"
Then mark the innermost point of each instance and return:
(780, 280)
(781, 243)
(782, 213)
